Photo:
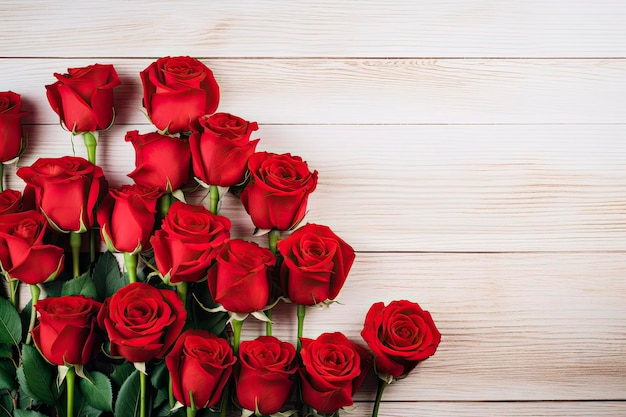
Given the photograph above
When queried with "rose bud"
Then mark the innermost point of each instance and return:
(220, 151)
(333, 369)
(141, 321)
(265, 379)
(200, 363)
(177, 91)
(161, 161)
(67, 190)
(240, 278)
(315, 264)
(83, 98)
(188, 241)
(400, 335)
(67, 332)
(279, 187)
(12, 141)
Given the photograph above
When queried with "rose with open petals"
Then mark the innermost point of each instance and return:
(240, 278)
(11, 131)
(200, 363)
(333, 369)
(400, 335)
(10, 201)
(265, 379)
(83, 98)
(315, 264)
(67, 333)
(141, 321)
(278, 192)
(188, 241)
(67, 190)
(177, 91)
(220, 150)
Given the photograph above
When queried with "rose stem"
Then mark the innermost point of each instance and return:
(142, 394)
(14, 293)
(170, 392)
(214, 198)
(90, 144)
(75, 241)
(273, 238)
(182, 290)
(379, 395)
(301, 314)
(34, 293)
(237, 325)
(1, 177)
(130, 262)
(69, 381)
(164, 204)
(191, 410)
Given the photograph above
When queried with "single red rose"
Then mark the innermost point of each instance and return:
(265, 379)
(12, 141)
(315, 264)
(333, 369)
(23, 256)
(400, 335)
(67, 190)
(141, 321)
(188, 242)
(10, 201)
(240, 278)
(220, 150)
(279, 188)
(202, 363)
(177, 91)
(83, 98)
(161, 161)
(126, 217)
(67, 332)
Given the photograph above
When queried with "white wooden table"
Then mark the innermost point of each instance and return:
(472, 152)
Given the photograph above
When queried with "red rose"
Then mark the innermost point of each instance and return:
(126, 217)
(161, 161)
(200, 362)
(400, 335)
(177, 91)
(240, 278)
(66, 189)
(23, 256)
(188, 241)
(11, 132)
(66, 333)
(265, 379)
(333, 368)
(279, 188)
(315, 264)
(141, 321)
(83, 98)
(220, 152)
(10, 201)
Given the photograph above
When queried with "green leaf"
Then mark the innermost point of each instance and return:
(39, 374)
(121, 373)
(27, 413)
(82, 285)
(25, 318)
(6, 351)
(98, 392)
(10, 324)
(26, 397)
(7, 375)
(107, 276)
(127, 402)
(6, 405)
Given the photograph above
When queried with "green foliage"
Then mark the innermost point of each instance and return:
(7, 375)
(27, 413)
(82, 285)
(107, 277)
(97, 391)
(40, 376)
(10, 323)
(127, 403)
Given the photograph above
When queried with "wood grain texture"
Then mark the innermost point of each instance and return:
(430, 188)
(369, 91)
(252, 28)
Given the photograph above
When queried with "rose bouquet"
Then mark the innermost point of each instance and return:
(164, 338)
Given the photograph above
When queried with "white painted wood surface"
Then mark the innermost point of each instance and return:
(474, 153)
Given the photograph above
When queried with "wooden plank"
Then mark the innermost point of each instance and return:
(515, 327)
(370, 91)
(431, 188)
(398, 28)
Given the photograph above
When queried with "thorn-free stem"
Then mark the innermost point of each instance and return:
(75, 242)
(301, 314)
(164, 204)
(182, 290)
(237, 325)
(142, 394)
(273, 238)
(69, 388)
(379, 395)
(1, 177)
(90, 143)
(14, 293)
(130, 262)
(35, 292)
(214, 198)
